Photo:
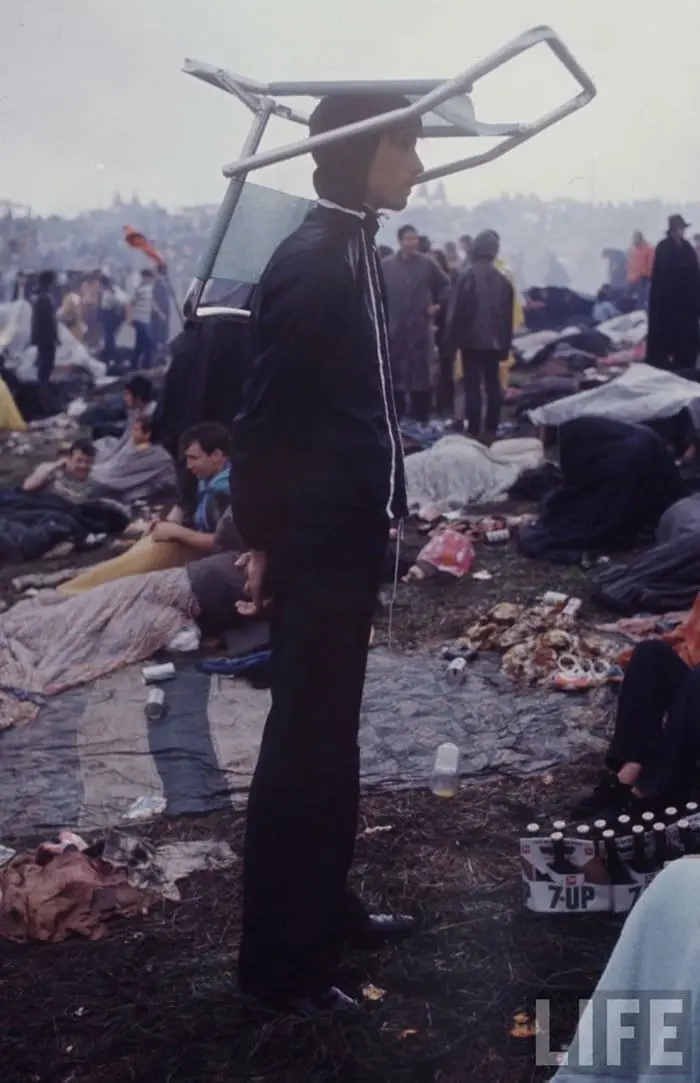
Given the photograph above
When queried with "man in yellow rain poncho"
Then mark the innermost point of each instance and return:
(11, 419)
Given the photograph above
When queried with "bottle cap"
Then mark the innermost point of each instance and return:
(648, 817)
(684, 824)
(533, 829)
(623, 819)
(556, 836)
(659, 827)
(671, 812)
(583, 829)
(600, 825)
(608, 834)
(692, 806)
(638, 829)
(559, 825)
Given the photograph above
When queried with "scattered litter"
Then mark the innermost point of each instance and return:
(155, 705)
(456, 671)
(51, 579)
(185, 641)
(410, 1033)
(447, 551)
(377, 829)
(145, 808)
(372, 992)
(157, 870)
(155, 674)
(482, 576)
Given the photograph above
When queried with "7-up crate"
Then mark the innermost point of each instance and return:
(572, 880)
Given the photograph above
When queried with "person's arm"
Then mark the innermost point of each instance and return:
(439, 285)
(40, 476)
(293, 314)
(169, 531)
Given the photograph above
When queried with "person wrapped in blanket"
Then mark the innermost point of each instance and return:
(188, 532)
(652, 758)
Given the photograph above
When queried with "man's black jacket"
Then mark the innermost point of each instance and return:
(44, 324)
(316, 445)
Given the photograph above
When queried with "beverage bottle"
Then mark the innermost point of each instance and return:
(671, 814)
(659, 836)
(599, 827)
(583, 831)
(560, 862)
(691, 808)
(155, 704)
(457, 671)
(648, 820)
(641, 863)
(533, 830)
(617, 869)
(688, 837)
(624, 823)
(445, 779)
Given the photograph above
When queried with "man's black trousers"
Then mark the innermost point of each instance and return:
(303, 805)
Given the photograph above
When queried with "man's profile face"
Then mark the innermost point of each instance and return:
(78, 465)
(395, 169)
(201, 465)
(637, 239)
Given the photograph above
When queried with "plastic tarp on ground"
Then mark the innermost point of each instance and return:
(15, 333)
(457, 471)
(640, 394)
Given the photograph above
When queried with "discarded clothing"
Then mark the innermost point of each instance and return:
(70, 895)
(618, 481)
(31, 524)
(156, 870)
(458, 471)
(642, 393)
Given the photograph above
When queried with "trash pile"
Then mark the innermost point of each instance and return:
(67, 887)
(540, 645)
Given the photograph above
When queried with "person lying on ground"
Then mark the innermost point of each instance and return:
(70, 476)
(188, 532)
(140, 470)
(658, 953)
(652, 756)
(52, 642)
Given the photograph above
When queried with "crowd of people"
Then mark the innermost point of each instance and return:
(95, 308)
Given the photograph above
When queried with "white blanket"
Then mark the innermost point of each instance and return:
(457, 471)
(642, 393)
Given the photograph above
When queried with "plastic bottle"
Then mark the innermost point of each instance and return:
(445, 780)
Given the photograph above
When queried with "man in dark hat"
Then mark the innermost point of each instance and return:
(674, 301)
(317, 478)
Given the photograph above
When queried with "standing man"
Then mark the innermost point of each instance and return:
(481, 328)
(416, 289)
(640, 263)
(45, 328)
(674, 301)
(316, 479)
(142, 309)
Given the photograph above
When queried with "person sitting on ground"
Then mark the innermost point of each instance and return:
(69, 477)
(111, 421)
(138, 469)
(189, 530)
(652, 756)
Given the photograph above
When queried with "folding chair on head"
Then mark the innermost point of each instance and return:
(252, 219)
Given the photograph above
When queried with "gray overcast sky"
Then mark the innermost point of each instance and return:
(88, 82)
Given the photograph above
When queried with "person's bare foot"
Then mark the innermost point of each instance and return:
(629, 773)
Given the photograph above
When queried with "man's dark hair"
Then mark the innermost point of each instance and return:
(403, 230)
(141, 388)
(210, 435)
(84, 446)
(46, 280)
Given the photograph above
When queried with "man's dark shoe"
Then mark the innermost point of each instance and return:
(332, 1001)
(381, 929)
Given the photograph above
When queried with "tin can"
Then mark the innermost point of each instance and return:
(554, 597)
(155, 704)
(496, 537)
(572, 607)
(457, 671)
(156, 674)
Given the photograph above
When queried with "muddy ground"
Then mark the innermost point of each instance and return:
(156, 1002)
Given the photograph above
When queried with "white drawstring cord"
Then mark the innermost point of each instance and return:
(399, 539)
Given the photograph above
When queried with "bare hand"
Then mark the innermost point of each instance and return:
(255, 565)
(166, 531)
